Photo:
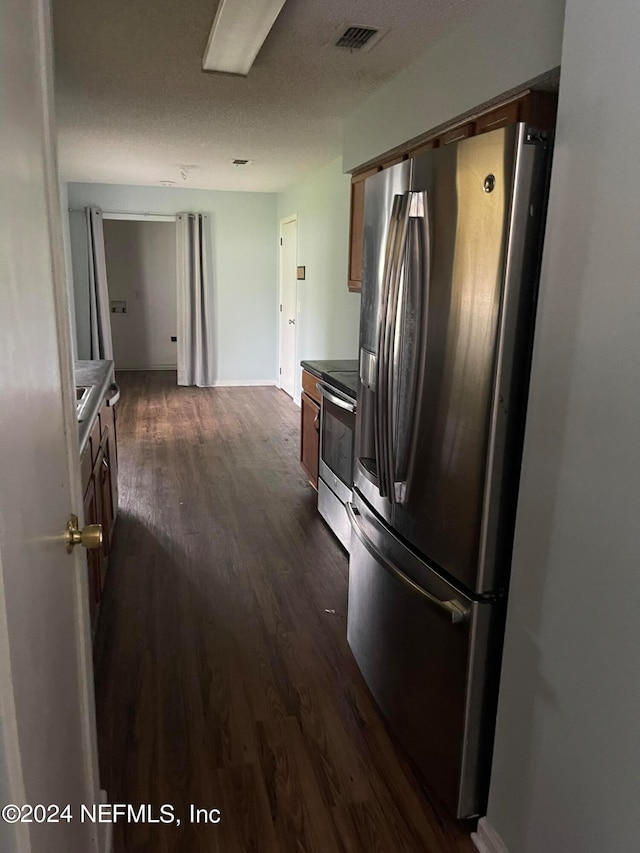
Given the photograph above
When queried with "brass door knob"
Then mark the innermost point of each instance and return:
(90, 536)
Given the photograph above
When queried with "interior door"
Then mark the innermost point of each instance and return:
(47, 732)
(288, 305)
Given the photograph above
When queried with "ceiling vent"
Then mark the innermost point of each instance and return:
(241, 162)
(357, 37)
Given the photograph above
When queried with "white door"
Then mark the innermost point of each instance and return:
(288, 305)
(47, 729)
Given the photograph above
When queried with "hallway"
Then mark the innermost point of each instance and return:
(223, 675)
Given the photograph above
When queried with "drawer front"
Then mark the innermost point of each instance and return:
(309, 382)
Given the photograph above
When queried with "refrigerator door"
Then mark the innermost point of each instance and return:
(385, 200)
(476, 251)
(424, 651)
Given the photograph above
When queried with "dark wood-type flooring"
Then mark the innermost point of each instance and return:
(223, 674)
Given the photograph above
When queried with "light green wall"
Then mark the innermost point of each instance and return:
(66, 238)
(566, 771)
(244, 234)
(506, 44)
(328, 315)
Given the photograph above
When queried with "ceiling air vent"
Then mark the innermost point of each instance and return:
(238, 162)
(356, 37)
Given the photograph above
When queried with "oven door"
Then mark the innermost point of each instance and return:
(337, 428)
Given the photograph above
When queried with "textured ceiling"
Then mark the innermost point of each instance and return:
(133, 103)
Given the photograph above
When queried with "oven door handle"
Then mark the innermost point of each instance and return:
(337, 401)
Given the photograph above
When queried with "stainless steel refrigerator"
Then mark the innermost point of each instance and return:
(452, 244)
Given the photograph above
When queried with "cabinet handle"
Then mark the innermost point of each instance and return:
(316, 422)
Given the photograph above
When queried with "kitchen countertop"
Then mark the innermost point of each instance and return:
(342, 374)
(100, 375)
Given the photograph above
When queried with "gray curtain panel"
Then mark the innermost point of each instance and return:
(99, 317)
(195, 300)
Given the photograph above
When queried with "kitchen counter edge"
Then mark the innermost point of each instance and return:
(325, 369)
(100, 375)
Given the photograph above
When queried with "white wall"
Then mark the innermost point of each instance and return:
(66, 238)
(141, 269)
(244, 236)
(328, 315)
(505, 44)
(566, 774)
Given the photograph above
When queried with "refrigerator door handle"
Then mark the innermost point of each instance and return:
(457, 611)
(417, 210)
(413, 208)
(391, 310)
(380, 403)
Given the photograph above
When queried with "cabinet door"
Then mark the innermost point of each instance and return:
(356, 229)
(103, 481)
(500, 117)
(310, 438)
(93, 554)
(461, 132)
(108, 421)
(423, 147)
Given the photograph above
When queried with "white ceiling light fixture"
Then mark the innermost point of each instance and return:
(239, 30)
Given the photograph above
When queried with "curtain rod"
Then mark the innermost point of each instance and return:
(122, 214)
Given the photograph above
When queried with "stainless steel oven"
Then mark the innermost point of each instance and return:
(337, 432)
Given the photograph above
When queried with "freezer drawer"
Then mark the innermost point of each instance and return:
(423, 650)
(334, 513)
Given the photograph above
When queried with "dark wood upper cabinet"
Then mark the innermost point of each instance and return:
(356, 228)
(536, 108)
(501, 117)
(457, 133)
(422, 148)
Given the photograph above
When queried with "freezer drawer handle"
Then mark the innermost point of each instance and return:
(457, 611)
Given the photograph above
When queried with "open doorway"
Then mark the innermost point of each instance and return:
(288, 304)
(141, 273)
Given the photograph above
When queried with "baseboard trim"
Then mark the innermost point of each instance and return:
(230, 383)
(486, 839)
(218, 383)
(150, 367)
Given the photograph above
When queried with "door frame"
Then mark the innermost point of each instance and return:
(84, 651)
(285, 221)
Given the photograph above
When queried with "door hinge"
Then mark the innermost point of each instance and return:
(280, 369)
(281, 309)
(281, 241)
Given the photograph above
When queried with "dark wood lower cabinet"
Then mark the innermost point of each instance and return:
(310, 438)
(99, 482)
(94, 556)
